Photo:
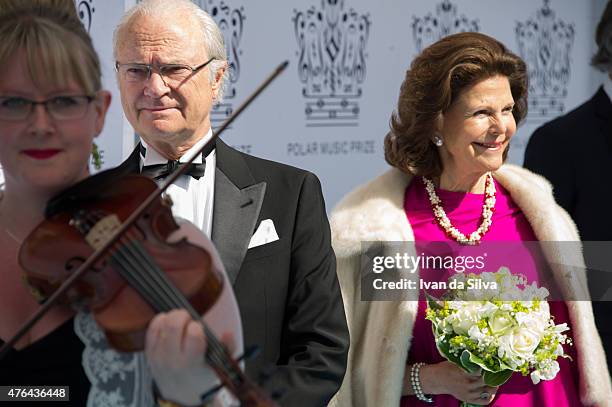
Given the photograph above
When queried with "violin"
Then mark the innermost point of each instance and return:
(108, 246)
(141, 273)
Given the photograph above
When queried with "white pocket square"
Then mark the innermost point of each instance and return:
(265, 233)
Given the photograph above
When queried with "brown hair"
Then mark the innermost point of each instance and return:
(56, 45)
(434, 81)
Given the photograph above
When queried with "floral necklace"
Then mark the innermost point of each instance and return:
(444, 222)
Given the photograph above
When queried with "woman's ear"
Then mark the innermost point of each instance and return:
(439, 123)
(101, 104)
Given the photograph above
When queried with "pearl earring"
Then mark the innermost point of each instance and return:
(437, 140)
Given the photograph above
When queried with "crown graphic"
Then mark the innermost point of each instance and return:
(545, 43)
(332, 53)
(231, 22)
(429, 29)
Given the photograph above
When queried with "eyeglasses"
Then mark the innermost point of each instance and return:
(64, 107)
(170, 73)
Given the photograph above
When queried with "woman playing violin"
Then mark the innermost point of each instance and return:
(52, 106)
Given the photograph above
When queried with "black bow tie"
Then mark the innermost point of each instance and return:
(161, 171)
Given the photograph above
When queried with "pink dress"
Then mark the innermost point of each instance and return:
(509, 225)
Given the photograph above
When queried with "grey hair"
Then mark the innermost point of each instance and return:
(602, 59)
(169, 9)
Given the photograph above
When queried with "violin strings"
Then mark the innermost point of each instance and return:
(165, 291)
(171, 299)
(178, 300)
(146, 290)
(158, 300)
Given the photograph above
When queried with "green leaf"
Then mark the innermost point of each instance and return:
(97, 156)
(433, 302)
(504, 366)
(497, 378)
(444, 349)
(480, 362)
(467, 363)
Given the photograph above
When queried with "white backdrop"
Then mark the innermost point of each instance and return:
(330, 110)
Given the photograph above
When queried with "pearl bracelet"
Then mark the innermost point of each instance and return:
(416, 382)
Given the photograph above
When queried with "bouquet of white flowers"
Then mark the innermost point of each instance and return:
(500, 330)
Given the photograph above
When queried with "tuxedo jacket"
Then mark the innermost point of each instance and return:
(574, 152)
(287, 290)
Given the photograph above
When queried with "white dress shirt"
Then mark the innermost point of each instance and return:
(193, 199)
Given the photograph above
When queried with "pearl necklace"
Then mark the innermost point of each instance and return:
(444, 222)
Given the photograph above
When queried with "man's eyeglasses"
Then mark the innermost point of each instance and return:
(171, 73)
(63, 107)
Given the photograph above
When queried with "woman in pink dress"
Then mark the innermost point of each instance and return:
(450, 190)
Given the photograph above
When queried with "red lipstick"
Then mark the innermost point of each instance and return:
(42, 154)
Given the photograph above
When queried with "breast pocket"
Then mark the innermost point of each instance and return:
(265, 250)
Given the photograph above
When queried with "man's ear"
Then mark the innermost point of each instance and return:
(216, 85)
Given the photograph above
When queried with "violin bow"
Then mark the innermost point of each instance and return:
(129, 222)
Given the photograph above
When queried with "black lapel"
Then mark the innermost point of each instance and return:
(237, 204)
(603, 110)
(132, 164)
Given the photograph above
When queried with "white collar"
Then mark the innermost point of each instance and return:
(154, 157)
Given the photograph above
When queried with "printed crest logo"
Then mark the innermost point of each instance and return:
(431, 28)
(332, 53)
(85, 10)
(545, 43)
(231, 22)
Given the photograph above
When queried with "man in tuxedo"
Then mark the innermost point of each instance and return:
(574, 152)
(267, 220)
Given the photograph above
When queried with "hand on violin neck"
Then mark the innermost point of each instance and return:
(175, 349)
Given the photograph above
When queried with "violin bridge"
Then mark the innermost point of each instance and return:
(102, 231)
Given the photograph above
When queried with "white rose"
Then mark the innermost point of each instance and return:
(477, 335)
(487, 309)
(534, 321)
(500, 323)
(465, 317)
(519, 344)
